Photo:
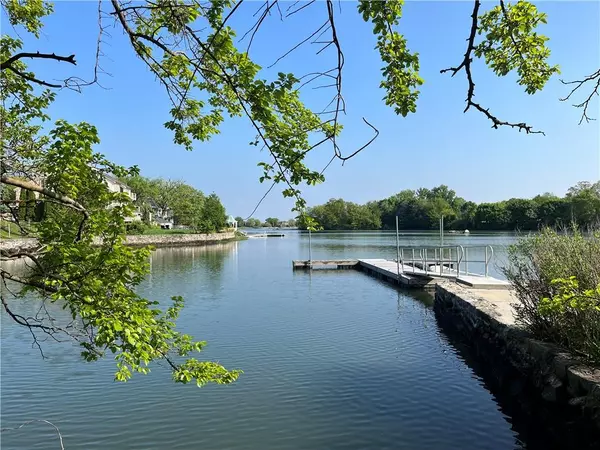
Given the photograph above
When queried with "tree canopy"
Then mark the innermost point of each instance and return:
(176, 199)
(421, 210)
(188, 46)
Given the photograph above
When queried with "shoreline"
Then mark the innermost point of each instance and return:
(541, 381)
(137, 240)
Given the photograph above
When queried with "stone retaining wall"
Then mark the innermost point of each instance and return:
(18, 245)
(548, 384)
(177, 240)
(156, 240)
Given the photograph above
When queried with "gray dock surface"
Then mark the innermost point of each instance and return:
(409, 275)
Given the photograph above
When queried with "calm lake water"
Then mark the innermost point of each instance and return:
(331, 360)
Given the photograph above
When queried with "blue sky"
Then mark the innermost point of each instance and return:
(437, 145)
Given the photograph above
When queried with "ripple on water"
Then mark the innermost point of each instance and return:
(331, 360)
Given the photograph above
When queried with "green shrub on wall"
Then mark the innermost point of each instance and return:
(556, 277)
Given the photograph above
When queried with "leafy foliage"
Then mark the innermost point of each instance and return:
(272, 222)
(511, 43)
(421, 210)
(82, 262)
(213, 215)
(556, 277)
(401, 67)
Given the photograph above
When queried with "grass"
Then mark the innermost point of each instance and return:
(154, 230)
(15, 231)
(150, 231)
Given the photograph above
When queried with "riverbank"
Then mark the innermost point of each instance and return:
(141, 240)
(540, 379)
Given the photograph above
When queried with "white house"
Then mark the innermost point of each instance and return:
(162, 217)
(114, 185)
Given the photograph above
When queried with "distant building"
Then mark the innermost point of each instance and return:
(231, 222)
(163, 217)
(114, 185)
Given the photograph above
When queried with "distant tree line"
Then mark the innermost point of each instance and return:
(422, 209)
(186, 205)
(270, 222)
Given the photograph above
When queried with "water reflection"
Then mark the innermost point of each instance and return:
(331, 359)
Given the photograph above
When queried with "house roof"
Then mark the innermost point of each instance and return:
(115, 180)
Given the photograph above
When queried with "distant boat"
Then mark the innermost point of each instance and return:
(466, 232)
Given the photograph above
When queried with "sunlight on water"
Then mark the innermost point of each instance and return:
(331, 360)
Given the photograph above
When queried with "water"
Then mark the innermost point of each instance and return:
(331, 359)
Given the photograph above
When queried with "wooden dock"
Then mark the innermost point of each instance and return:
(409, 275)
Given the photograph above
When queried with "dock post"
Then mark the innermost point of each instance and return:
(397, 251)
(309, 250)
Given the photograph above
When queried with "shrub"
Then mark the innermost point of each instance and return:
(577, 311)
(136, 227)
(556, 277)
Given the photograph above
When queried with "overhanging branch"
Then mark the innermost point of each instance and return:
(593, 78)
(7, 64)
(466, 65)
(62, 199)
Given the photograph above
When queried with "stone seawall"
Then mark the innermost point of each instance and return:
(546, 386)
(177, 240)
(156, 240)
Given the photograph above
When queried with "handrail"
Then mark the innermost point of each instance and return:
(454, 258)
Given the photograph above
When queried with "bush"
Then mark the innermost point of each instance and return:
(556, 277)
(136, 227)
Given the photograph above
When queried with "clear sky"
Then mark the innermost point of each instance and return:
(437, 145)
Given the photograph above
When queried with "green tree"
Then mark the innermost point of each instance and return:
(438, 207)
(240, 221)
(584, 199)
(165, 192)
(97, 284)
(253, 223)
(214, 217)
(272, 221)
(491, 216)
(187, 205)
(466, 216)
(522, 214)
(145, 191)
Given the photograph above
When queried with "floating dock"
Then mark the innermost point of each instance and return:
(405, 274)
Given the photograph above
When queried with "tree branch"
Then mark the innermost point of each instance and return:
(7, 64)
(31, 186)
(63, 199)
(595, 77)
(33, 79)
(36, 284)
(466, 65)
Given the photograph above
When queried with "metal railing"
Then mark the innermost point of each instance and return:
(444, 259)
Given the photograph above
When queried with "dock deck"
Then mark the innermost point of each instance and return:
(409, 275)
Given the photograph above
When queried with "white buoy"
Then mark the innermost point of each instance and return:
(466, 231)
